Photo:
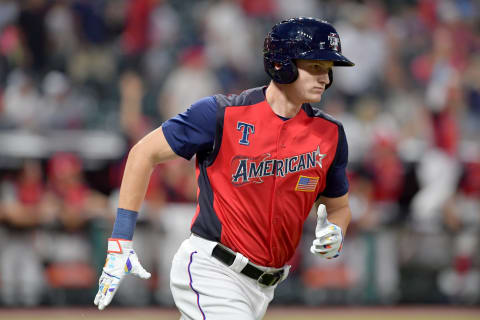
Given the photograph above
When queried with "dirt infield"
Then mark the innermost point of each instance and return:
(376, 313)
(275, 313)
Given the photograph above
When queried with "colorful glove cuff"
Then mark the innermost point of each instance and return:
(119, 245)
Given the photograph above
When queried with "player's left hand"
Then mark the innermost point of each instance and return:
(121, 260)
(329, 238)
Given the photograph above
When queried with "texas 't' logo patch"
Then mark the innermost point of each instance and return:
(246, 129)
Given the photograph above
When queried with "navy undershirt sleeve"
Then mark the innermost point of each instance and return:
(193, 130)
(337, 181)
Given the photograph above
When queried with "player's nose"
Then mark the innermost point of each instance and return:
(323, 78)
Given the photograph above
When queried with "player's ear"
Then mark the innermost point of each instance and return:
(277, 66)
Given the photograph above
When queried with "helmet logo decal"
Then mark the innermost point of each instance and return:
(304, 35)
(334, 40)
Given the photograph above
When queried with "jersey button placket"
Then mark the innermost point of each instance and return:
(281, 143)
(282, 140)
(276, 221)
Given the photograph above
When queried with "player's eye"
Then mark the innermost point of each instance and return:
(320, 68)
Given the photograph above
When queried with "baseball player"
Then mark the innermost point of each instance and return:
(263, 159)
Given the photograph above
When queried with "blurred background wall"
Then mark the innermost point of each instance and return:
(82, 80)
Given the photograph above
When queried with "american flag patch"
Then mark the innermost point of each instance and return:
(306, 184)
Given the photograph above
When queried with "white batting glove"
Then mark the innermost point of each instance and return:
(121, 260)
(329, 238)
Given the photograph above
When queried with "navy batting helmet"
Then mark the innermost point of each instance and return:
(301, 38)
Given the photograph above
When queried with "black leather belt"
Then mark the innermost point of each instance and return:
(265, 278)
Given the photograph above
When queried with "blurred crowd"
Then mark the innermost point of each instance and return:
(119, 68)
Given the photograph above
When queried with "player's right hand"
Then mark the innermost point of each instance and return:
(121, 260)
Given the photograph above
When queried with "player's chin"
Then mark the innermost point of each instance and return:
(314, 97)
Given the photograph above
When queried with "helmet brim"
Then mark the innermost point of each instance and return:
(324, 55)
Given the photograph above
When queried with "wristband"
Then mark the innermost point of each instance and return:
(124, 224)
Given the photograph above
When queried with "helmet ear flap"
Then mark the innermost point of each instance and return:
(290, 71)
(281, 72)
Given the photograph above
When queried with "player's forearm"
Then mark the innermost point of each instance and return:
(338, 211)
(135, 179)
(341, 217)
(142, 159)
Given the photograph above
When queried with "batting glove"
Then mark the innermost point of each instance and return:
(121, 260)
(329, 237)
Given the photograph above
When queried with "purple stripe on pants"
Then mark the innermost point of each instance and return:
(191, 286)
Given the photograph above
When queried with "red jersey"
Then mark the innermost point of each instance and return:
(260, 175)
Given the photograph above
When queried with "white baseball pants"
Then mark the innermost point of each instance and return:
(205, 288)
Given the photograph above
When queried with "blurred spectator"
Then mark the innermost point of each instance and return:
(230, 55)
(439, 167)
(20, 261)
(135, 37)
(9, 10)
(64, 106)
(77, 203)
(259, 9)
(90, 20)
(178, 182)
(10, 38)
(62, 39)
(438, 175)
(285, 10)
(32, 24)
(361, 28)
(93, 60)
(66, 242)
(164, 25)
(164, 36)
(22, 102)
(12, 51)
(387, 173)
(471, 84)
(134, 123)
(94, 65)
(192, 80)
(461, 281)
(379, 221)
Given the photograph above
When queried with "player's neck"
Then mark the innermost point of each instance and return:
(281, 102)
